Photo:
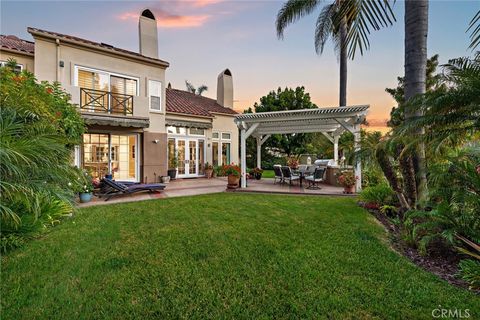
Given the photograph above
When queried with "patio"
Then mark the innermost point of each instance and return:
(267, 186)
(191, 187)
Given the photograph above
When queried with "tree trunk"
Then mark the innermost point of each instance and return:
(389, 173)
(416, 31)
(343, 64)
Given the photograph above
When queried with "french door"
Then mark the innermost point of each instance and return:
(191, 157)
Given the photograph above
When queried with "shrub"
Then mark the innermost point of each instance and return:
(470, 272)
(380, 194)
(38, 128)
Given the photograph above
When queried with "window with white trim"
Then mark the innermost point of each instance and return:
(155, 95)
(226, 136)
(95, 79)
(214, 135)
(18, 67)
(197, 131)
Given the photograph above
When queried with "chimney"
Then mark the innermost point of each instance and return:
(148, 35)
(225, 89)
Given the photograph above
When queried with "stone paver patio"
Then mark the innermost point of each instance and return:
(191, 187)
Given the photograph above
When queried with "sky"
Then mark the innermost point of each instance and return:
(200, 38)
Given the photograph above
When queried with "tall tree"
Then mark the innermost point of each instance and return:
(416, 31)
(336, 20)
(281, 100)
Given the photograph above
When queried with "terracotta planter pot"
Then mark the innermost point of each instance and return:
(233, 182)
(349, 189)
(208, 173)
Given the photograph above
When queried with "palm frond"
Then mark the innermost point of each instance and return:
(363, 15)
(474, 27)
(201, 89)
(190, 87)
(324, 27)
(292, 11)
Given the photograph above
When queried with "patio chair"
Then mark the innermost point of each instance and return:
(113, 188)
(277, 170)
(288, 175)
(317, 177)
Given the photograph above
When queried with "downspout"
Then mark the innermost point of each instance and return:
(57, 68)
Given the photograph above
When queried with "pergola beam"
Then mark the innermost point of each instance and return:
(329, 121)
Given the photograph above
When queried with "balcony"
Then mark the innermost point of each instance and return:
(99, 101)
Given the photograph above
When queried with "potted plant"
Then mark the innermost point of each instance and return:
(84, 187)
(347, 179)
(172, 167)
(165, 179)
(233, 173)
(256, 173)
(292, 162)
(208, 170)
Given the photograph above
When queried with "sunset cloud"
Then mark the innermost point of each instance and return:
(167, 13)
(168, 20)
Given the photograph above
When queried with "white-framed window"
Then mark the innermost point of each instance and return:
(102, 80)
(226, 136)
(197, 131)
(155, 95)
(177, 130)
(18, 66)
(221, 148)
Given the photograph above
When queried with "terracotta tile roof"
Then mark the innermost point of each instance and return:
(180, 101)
(102, 46)
(16, 44)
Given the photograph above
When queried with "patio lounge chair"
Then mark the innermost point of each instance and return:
(317, 177)
(114, 188)
(288, 175)
(277, 169)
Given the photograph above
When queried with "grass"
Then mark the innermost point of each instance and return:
(221, 256)
(268, 174)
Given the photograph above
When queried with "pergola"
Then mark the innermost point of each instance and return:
(332, 122)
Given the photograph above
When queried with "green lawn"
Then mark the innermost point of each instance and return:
(268, 174)
(221, 256)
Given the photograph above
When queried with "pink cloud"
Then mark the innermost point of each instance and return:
(168, 20)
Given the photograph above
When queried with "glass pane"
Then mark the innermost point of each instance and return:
(181, 156)
(201, 157)
(193, 157)
(225, 153)
(226, 136)
(197, 131)
(123, 160)
(171, 152)
(215, 135)
(215, 153)
(95, 154)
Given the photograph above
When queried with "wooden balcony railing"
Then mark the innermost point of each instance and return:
(106, 102)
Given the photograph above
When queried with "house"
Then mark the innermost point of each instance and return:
(135, 123)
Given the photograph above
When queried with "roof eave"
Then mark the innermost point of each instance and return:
(30, 54)
(189, 115)
(41, 34)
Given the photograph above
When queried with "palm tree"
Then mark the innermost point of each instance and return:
(416, 31)
(198, 91)
(337, 20)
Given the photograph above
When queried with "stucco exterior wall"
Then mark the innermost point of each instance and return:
(26, 61)
(48, 56)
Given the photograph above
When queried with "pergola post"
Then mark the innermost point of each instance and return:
(358, 162)
(243, 157)
(259, 152)
(335, 149)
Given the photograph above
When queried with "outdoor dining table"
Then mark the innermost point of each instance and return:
(302, 174)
